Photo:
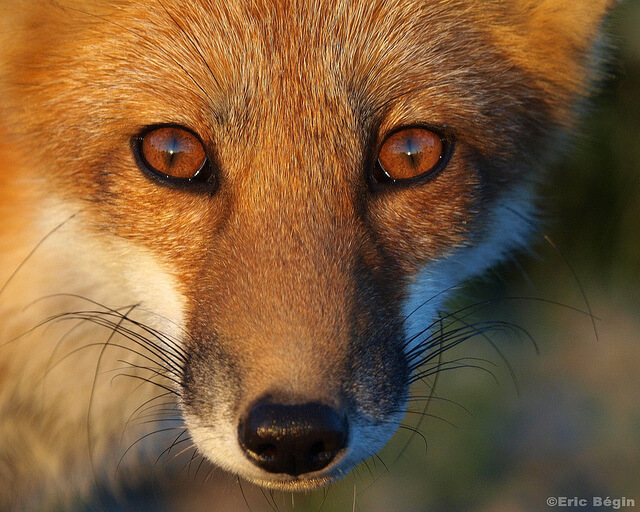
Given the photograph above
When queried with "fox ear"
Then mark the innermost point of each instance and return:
(559, 27)
(578, 21)
(560, 43)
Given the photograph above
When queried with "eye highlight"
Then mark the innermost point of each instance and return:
(173, 153)
(408, 154)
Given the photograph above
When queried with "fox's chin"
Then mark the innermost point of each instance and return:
(300, 483)
(305, 482)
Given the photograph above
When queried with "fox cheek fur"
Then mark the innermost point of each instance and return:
(298, 284)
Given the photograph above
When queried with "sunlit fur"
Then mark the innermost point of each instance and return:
(293, 275)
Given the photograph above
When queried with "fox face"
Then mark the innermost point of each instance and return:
(289, 190)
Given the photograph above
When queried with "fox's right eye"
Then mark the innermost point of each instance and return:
(410, 154)
(173, 153)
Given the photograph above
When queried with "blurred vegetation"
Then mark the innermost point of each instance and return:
(596, 193)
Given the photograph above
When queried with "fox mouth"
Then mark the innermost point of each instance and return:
(296, 483)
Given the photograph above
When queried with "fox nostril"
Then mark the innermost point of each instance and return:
(292, 439)
(267, 452)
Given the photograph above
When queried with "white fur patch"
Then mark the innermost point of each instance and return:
(509, 228)
(55, 370)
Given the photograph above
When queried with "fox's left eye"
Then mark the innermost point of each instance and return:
(409, 153)
(172, 152)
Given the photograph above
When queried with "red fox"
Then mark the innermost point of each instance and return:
(253, 210)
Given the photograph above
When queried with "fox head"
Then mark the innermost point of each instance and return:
(309, 179)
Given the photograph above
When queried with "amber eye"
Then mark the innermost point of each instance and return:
(409, 153)
(172, 152)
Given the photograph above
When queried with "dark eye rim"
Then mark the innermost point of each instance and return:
(448, 144)
(205, 177)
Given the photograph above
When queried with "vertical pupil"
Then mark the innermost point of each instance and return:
(411, 150)
(173, 146)
(172, 149)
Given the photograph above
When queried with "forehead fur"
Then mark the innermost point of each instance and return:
(221, 56)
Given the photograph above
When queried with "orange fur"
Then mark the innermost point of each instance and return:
(289, 278)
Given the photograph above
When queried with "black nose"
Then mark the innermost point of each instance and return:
(292, 439)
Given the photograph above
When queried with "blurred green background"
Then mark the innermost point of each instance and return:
(573, 429)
